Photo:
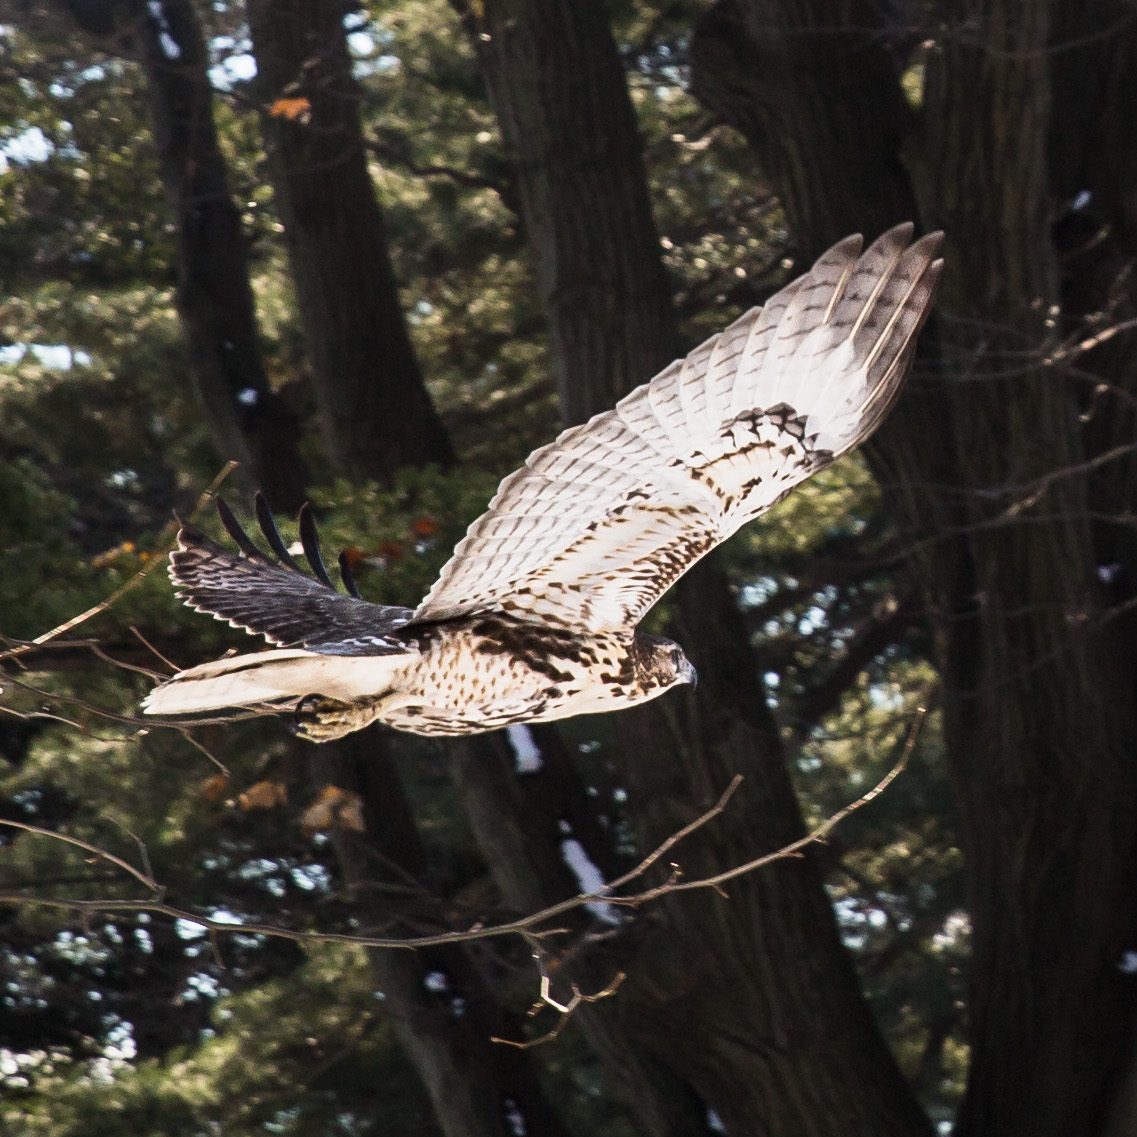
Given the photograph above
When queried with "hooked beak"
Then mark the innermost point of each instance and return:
(688, 674)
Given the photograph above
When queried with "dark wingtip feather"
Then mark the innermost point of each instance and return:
(348, 575)
(233, 528)
(310, 540)
(269, 528)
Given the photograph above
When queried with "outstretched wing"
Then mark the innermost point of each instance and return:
(276, 599)
(597, 525)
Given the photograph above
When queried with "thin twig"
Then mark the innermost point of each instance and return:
(95, 851)
(530, 926)
(566, 1011)
(164, 539)
(816, 836)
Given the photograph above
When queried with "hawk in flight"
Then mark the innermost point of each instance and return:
(534, 616)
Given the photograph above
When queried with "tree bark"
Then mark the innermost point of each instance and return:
(374, 408)
(248, 422)
(445, 1025)
(521, 824)
(752, 1001)
(985, 469)
(551, 70)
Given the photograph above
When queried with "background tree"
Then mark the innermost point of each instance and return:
(1006, 573)
(999, 483)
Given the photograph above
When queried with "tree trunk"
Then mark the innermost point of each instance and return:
(374, 409)
(752, 1001)
(247, 421)
(445, 1025)
(521, 824)
(986, 469)
(551, 70)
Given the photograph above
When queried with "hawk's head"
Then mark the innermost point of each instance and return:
(660, 663)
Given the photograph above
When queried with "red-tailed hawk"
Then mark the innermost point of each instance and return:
(534, 617)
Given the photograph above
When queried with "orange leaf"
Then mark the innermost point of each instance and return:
(263, 795)
(424, 526)
(334, 808)
(389, 551)
(214, 789)
(290, 108)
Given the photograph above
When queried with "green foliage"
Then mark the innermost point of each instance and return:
(36, 545)
(296, 1057)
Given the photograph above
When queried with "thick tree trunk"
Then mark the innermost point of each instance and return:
(521, 824)
(551, 70)
(444, 1025)
(986, 470)
(247, 421)
(751, 1001)
(374, 408)
(1041, 721)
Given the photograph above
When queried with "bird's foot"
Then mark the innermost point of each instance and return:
(319, 719)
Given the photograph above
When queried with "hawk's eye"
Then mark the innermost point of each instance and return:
(676, 657)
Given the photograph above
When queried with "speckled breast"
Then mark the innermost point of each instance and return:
(485, 674)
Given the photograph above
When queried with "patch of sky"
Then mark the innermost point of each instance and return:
(811, 621)
(188, 930)
(235, 63)
(224, 916)
(266, 872)
(78, 948)
(758, 591)
(956, 927)
(124, 479)
(201, 986)
(887, 696)
(96, 73)
(365, 41)
(514, 1118)
(53, 356)
(171, 49)
(311, 878)
(526, 752)
(589, 877)
(30, 145)
(120, 1045)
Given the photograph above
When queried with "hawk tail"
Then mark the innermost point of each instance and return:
(277, 678)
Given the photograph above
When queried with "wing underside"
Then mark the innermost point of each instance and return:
(597, 525)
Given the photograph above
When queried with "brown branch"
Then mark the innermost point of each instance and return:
(395, 155)
(529, 927)
(164, 539)
(95, 851)
(566, 1010)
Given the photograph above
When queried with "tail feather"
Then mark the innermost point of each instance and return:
(275, 677)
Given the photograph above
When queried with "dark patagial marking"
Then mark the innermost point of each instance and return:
(537, 648)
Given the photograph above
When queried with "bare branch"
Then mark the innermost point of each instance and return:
(566, 1010)
(164, 539)
(531, 927)
(95, 851)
